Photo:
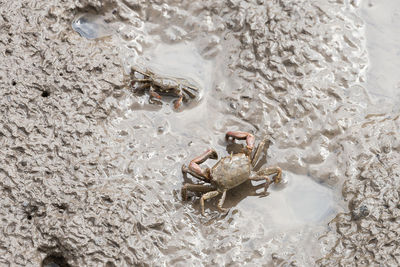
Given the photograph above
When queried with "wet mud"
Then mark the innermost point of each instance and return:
(90, 172)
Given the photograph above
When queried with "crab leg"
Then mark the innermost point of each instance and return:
(250, 139)
(137, 80)
(186, 170)
(221, 202)
(196, 188)
(153, 93)
(186, 97)
(209, 154)
(205, 197)
(189, 91)
(139, 87)
(146, 75)
(272, 170)
(259, 177)
(262, 146)
(194, 168)
(178, 102)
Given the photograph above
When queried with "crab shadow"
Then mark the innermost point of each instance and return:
(233, 198)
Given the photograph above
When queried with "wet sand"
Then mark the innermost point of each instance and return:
(90, 172)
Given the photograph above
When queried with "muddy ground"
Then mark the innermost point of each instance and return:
(90, 173)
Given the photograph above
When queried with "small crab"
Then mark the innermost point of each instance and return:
(228, 172)
(157, 86)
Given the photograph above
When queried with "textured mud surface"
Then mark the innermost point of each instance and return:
(90, 173)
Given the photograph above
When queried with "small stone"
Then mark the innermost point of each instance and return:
(361, 212)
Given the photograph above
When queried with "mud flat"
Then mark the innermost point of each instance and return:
(90, 172)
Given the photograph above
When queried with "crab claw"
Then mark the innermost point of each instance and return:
(184, 169)
(249, 149)
(278, 176)
(178, 102)
(153, 93)
(250, 139)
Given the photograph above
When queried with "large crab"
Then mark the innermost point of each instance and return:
(157, 86)
(228, 172)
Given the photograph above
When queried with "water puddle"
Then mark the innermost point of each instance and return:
(180, 63)
(181, 60)
(383, 37)
(301, 201)
(91, 26)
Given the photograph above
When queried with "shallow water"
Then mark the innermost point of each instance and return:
(296, 210)
(300, 202)
(383, 38)
(181, 60)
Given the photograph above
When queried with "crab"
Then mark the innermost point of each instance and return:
(229, 172)
(157, 86)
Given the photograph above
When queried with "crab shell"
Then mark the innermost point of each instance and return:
(231, 171)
